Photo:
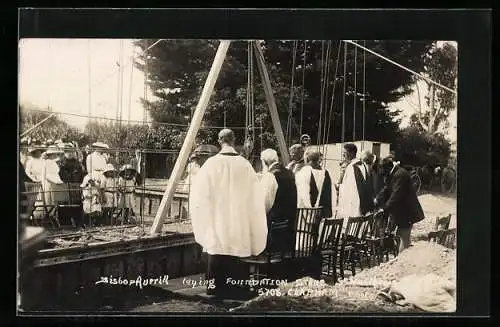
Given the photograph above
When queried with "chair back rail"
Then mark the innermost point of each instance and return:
(446, 237)
(306, 231)
(330, 233)
(379, 225)
(442, 223)
(280, 240)
(30, 197)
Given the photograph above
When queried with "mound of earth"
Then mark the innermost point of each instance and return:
(361, 292)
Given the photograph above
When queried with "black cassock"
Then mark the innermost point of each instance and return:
(325, 200)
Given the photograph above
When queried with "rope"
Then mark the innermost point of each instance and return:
(331, 117)
(322, 77)
(343, 94)
(303, 83)
(355, 93)
(118, 88)
(364, 89)
(89, 77)
(328, 51)
(130, 91)
(325, 135)
(247, 112)
(401, 66)
(289, 122)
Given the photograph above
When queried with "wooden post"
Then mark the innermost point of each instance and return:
(271, 102)
(181, 161)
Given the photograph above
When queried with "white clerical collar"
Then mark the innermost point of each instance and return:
(394, 165)
(353, 161)
(227, 149)
(274, 164)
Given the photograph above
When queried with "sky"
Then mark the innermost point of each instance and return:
(55, 73)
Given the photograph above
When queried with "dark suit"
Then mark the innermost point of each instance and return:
(402, 201)
(285, 201)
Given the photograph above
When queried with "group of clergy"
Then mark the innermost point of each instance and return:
(231, 207)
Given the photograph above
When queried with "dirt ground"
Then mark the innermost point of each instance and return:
(360, 293)
(434, 205)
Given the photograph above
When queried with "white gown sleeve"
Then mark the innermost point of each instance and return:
(302, 180)
(348, 195)
(52, 173)
(269, 187)
(201, 207)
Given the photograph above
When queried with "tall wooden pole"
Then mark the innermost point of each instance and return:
(181, 161)
(271, 102)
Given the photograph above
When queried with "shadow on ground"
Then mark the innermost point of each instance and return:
(119, 298)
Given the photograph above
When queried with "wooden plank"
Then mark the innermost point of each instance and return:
(181, 161)
(271, 102)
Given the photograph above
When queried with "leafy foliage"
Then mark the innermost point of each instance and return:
(419, 149)
(53, 128)
(176, 71)
(441, 65)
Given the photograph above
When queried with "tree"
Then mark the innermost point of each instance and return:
(176, 71)
(54, 128)
(441, 67)
(421, 149)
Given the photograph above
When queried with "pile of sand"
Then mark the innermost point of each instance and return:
(360, 293)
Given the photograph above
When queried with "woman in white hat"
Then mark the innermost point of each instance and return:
(109, 189)
(126, 187)
(96, 161)
(34, 163)
(54, 188)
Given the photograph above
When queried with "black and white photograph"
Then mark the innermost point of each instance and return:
(240, 176)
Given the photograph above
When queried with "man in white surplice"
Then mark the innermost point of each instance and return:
(354, 196)
(314, 184)
(228, 216)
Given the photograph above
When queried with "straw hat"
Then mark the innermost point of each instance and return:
(127, 167)
(109, 168)
(100, 145)
(86, 181)
(35, 148)
(53, 150)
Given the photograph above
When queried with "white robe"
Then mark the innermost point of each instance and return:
(34, 168)
(349, 202)
(55, 190)
(96, 163)
(109, 186)
(303, 183)
(227, 207)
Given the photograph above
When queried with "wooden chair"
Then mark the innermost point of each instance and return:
(446, 237)
(328, 246)
(352, 246)
(278, 249)
(47, 212)
(442, 223)
(306, 255)
(27, 202)
(376, 235)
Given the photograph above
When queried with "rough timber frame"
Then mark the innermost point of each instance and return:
(181, 161)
